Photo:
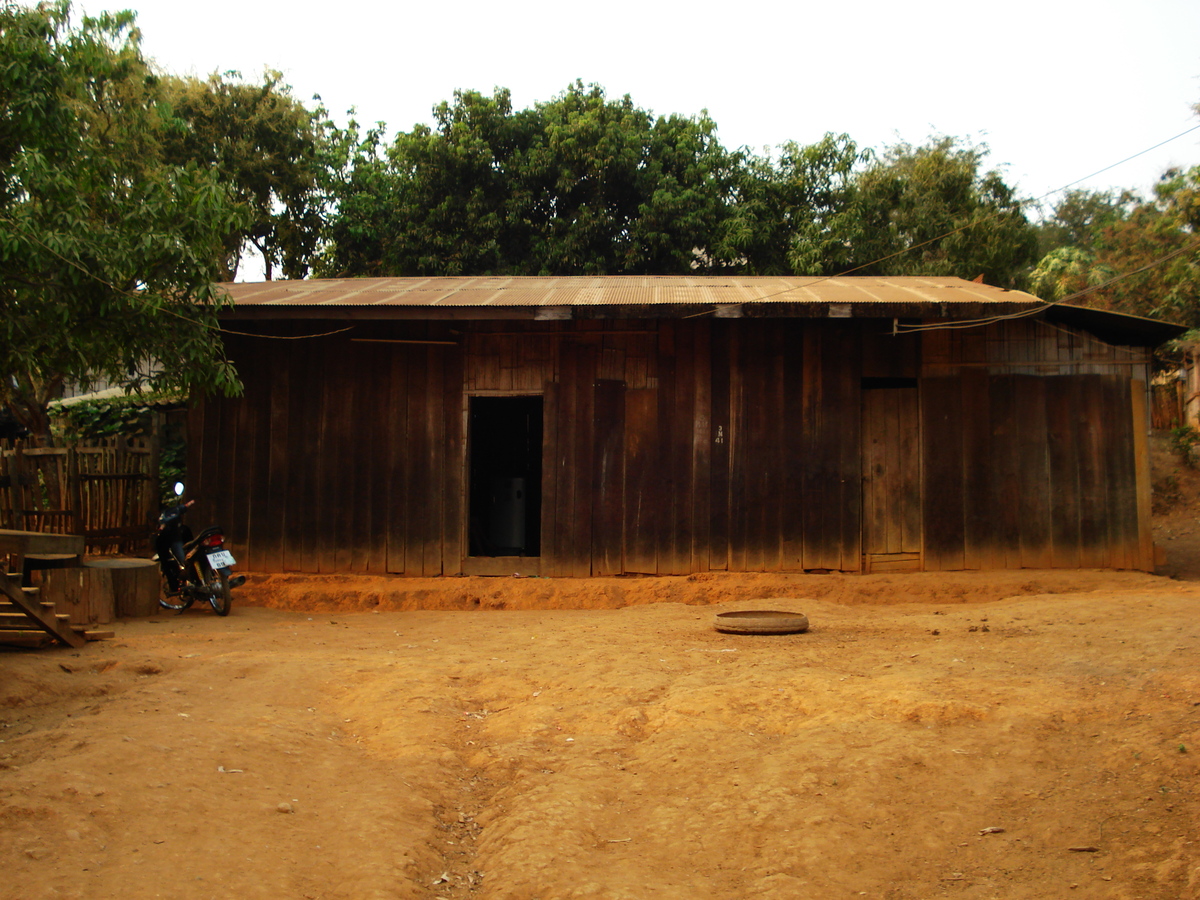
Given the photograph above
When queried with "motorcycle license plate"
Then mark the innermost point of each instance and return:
(221, 559)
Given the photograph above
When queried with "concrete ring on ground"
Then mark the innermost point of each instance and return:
(760, 621)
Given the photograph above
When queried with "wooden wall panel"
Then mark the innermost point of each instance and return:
(1005, 431)
(702, 443)
(794, 502)
(681, 451)
(1063, 437)
(891, 471)
(454, 514)
(552, 467)
(832, 415)
(1093, 489)
(1034, 488)
(397, 463)
(271, 504)
(707, 444)
(641, 514)
(719, 484)
(431, 513)
(942, 503)
(608, 459)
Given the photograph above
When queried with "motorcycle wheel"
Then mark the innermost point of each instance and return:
(219, 593)
(177, 602)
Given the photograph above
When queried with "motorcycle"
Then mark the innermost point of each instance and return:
(193, 568)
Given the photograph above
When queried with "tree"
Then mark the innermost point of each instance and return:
(931, 210)
(1127, 254)
(106, 252)
(789, 216)
(269, 149)
(578, 185)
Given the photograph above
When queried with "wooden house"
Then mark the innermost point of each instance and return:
(670, 425)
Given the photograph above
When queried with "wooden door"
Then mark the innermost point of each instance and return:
(891, 474)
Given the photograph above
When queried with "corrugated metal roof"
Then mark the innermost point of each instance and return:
(617, 290)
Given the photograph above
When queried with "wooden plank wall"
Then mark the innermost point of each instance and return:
(669, 446)
(1030, 472)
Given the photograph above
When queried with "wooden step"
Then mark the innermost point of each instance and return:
(32, 638)
(28, 602)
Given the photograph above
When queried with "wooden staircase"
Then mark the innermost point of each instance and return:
(25, 619)
(28, 621)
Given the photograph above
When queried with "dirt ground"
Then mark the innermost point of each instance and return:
(1011, 735)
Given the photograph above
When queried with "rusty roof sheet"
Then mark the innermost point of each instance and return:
(617, 290)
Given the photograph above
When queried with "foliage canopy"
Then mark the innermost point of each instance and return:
(107, 251)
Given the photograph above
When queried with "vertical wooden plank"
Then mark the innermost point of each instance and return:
(739, 445)
(365, 424)
(271, 503)
(1093, 503)
(435, 451)
(1121, 474)
(550, 478)
(454, 499)
(819, 549)
(774, 482)
(1006, 483)
(566, 534)
(582, 466)
(751, 449)
(701, 445)
(833, 421)
(981, 548)
(792, 437)
(719, 436)
(682, 450)
(942, 466)
(909, 420)
(417, 469)
(259, 513)
(1063, 442)
(665, 488)
(609, 478)
(1033, 473)
(1144, 558)
(331, 550)
(396, 476)
(982, 473)
(377, 432)
(296, 476)
(874, 471)
(641, 525)
(234, 488)
(846, 362)
(348, 483)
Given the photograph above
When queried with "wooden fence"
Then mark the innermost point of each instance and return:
(108, 492)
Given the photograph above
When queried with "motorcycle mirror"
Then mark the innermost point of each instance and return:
(179, 489)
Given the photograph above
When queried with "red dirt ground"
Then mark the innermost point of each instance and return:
(999, 735)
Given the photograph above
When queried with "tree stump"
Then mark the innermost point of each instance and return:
(135, 584)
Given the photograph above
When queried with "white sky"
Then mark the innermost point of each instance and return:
(1056, 89)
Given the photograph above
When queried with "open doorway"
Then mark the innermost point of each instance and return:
(505, 470)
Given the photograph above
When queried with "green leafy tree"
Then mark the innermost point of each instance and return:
(1081, 215)
(578, 185)
(934, 210)
(791, 214)
(1131, 255)
(106, 252)
(270, 150)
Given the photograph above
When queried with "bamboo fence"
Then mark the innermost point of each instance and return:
(108, 492)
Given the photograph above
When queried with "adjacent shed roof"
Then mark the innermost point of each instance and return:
(619, 290)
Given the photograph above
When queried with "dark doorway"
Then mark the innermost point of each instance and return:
(505, 476)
